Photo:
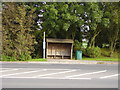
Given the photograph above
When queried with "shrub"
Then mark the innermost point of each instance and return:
(93, 52)
(105, 52)
(24, 57)
(7, 58)
(77, 45)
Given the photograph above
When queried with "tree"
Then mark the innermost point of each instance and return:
(60, 20)
(110, 35)
(114, 29)
(17, 38)
(95, 20)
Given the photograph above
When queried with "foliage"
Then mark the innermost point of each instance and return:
(114, 30)
(93, 52)
(110, 35)
(8, 58)
(67, 22)
(17, 28)
(96, 21)
(24, 57)
(105, 56)
(77, 45)
(24, 23)
(59, 22)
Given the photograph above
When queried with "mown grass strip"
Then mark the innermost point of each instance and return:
(102, 59)
(39, 59)
(11, 60)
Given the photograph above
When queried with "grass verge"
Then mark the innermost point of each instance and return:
(11, 60)
(39, 59)
(102, 59)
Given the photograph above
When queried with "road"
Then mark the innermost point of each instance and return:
(36, 75)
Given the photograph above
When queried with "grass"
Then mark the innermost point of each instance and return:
(39, 59)
(102, 59)
(104, 56)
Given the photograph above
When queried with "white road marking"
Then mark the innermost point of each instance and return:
(9, 70)
(6, 68)
(80, 78)
(50, 78)
(60, 69)
(109, 76)
(86, 74)
(17, 77)
(23, 73)
(55, 73)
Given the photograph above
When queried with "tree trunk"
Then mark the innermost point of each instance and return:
(92, 40)
(113, 43)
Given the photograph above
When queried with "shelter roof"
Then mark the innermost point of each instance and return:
(59, 40)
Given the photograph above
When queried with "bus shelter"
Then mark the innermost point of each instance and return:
(59, 48)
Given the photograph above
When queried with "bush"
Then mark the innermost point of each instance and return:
(77, 45)
(93, 52)
(7, 58)
(105, 52)
(24, 57)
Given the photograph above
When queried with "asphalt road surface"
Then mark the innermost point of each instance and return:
(35, 75)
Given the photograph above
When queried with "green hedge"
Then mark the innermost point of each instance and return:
(22, 57)
(92, 52)
(7, 58)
